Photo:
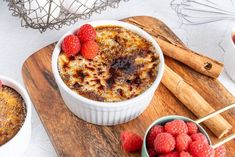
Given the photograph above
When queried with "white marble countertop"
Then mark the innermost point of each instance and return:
(18, 43)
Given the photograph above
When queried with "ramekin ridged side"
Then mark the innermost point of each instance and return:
(105, 116)
(107, 113)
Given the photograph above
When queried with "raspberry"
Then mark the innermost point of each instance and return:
(130, 141)
(172, 154)
(164, 143)
(176, 127)
(0, 84)
(152, 152)
(220, 151)
(199, 137)
(195, 147)
(86, 33)
(185, 154)
(182, 142)
(71, 45)
(206, 151)
(192, 128)
(233, 37)
(154, 131)
(200, 149)
(89, 49)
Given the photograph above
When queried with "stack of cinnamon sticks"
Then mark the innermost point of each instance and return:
(186, 93)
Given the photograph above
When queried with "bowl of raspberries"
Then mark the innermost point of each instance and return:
(172, 136)
(177, 136)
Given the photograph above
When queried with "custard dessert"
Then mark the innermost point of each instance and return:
(12, 113)
(125, 66)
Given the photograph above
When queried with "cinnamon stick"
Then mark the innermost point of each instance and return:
(194, 102)
(199, 63)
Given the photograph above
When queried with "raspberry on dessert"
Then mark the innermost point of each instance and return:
(86, 33)
(154, 131)
(199, 137)
(200, 149)
(185, 154)
(182, 142)
(192, 128)
(0, 84)
(131, 142)
(176, 127)
(152, 152)
(71, 45)
(220, 151)
(172, 154)
(89, 49)
(164, 143)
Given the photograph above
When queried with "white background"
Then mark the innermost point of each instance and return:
(17, 43)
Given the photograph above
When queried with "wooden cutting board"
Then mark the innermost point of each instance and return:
(72, 136)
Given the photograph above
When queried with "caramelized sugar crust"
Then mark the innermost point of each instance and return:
(12, 113)
(125, 66)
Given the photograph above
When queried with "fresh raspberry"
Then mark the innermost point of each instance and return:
(172, 154)
(152, 152)
(71, 45)
(0, 84)
(185, 154)
(130, 141)
(199, 137)
(154, 131)
(176, 127)
(164, 143)
(86, 33)
(233, 37)
(89, 49)
(182, 142)
(200, 149)
(192, 128)
(206, 151)
(220, 151)
(195, 147)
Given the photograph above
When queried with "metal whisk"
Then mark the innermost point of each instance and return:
(53, 14)
(203, 11)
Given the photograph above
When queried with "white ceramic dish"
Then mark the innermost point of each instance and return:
(229, 56)
(19, 143)
(107, 113)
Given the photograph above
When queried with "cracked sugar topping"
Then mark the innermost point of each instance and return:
(12, 113)
(125, 66)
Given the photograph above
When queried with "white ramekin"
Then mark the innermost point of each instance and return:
(19, 143)
(229, 56)
(107, 113)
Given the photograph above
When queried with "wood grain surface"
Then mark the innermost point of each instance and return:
(73, 137)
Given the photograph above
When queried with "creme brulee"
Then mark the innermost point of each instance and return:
(125, 67)
(12, 113)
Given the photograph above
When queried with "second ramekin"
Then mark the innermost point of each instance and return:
(107, 113)
(19, 143)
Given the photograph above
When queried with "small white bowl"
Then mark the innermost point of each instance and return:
(107, 113)
(229, 56)
(19, 143)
